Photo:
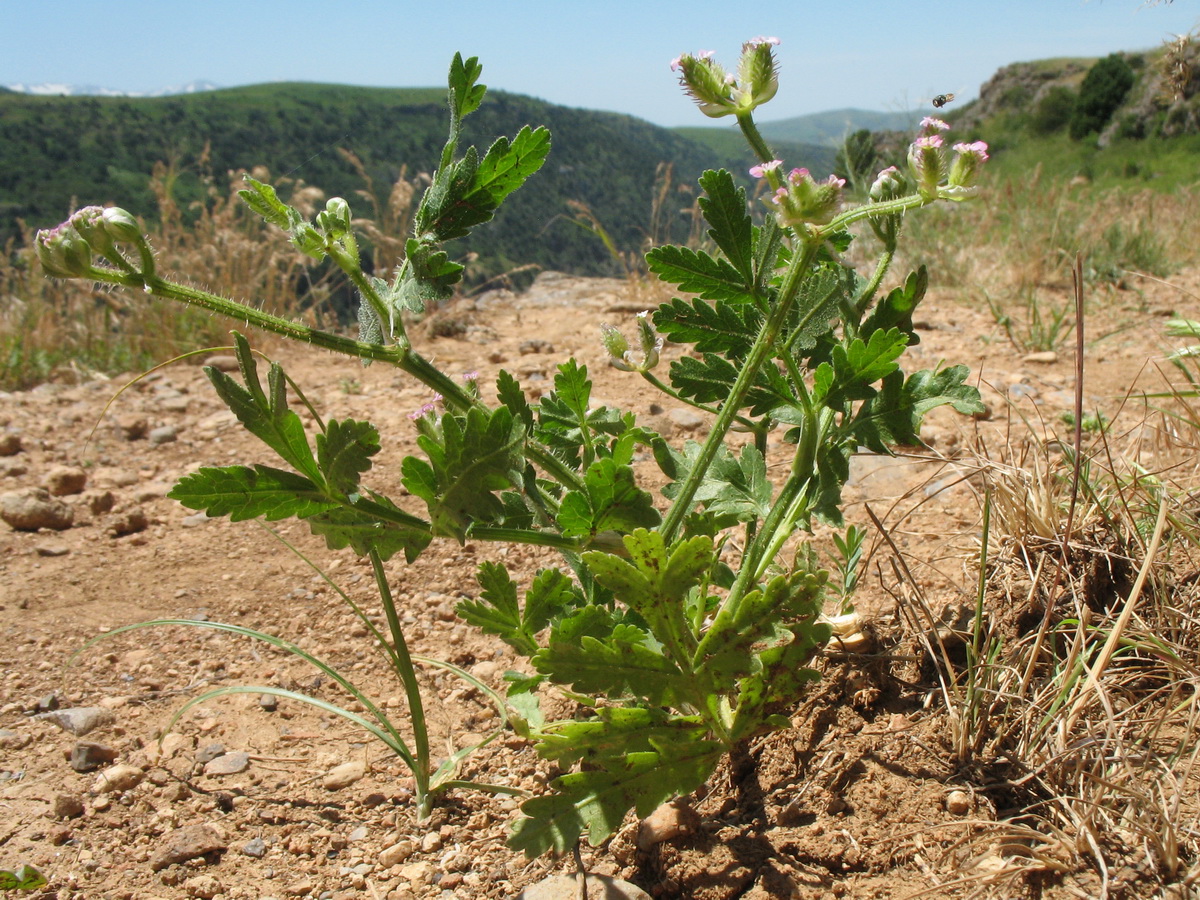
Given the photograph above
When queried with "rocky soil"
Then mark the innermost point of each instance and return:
(247, 797)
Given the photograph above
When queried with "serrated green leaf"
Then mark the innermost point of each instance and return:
(614, 732)
(855, 367)
(498, 612)
(725, 327)
(264, 415)
(471, 457)
(363, 532)
(818, 304)
(248, 493)
(627, 663)
(893, 416)
(654, 582)
(465, 93)
(896, 309)
(724, 208)
(725, 653)
(344, 452)
(612, 502)
(597, 801)
(263, 200)
(711, 378)
(697, 273)
(735, 487)
(507, 164)
(509, 392)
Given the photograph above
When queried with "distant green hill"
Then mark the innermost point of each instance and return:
(60, 152)
(830, 128)
(729, 144)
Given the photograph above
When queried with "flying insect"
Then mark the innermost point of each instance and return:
(941, 100)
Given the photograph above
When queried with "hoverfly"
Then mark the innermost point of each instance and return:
(941, 100)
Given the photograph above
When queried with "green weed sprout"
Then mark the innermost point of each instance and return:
(677, 623)
(23, 878)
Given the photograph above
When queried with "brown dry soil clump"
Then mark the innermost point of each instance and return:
(249, 798)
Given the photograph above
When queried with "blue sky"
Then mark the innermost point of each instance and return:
(600, 54)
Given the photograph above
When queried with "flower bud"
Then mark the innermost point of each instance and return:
(650, 340)
(617, 347)
(89, 223)
(968, 160)
(758, 74)
(619, 354)
(927, 161)
(707, 83)
(121, 226)
(63, 252)
(803, 200)
(889, 184)
(334, 220)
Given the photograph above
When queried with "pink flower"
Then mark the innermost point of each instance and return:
(929, 125)
(760, 171)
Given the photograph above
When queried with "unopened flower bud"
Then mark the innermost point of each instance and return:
(889, 184)
(89, 222)
(335, 218)
(927, 161)
(121, 226)
(707, 83)
(617, 347)
(651, 342)
(63, 252)
(758, 74)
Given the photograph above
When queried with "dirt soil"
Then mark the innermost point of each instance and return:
(855, 801)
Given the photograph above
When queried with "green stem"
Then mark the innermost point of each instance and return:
(760, 352)
(412, 690)
(749, 424)
(754, 138)
(881, 268)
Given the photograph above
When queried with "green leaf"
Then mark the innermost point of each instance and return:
(507, 165)
(465, 93)
(596, 801)
(625, 664)
(263, 200)
(733, 486)
(724, 209)
(711, 379)
(697, 273)
(726, 651)
(344, 452)
(612, 502)
(471, 457)
(248, 493)
(265, 416)
(725, 327)
(25, 878)
(509, 392)
(497, 611)
(363, 532)
(818, 304)
(855, 367)
(893, 416)
(896, 309)
(614, 732)
(655, 582)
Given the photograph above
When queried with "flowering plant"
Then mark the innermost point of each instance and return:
(677, 622)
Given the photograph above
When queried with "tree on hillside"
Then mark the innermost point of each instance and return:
(1103, 89)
